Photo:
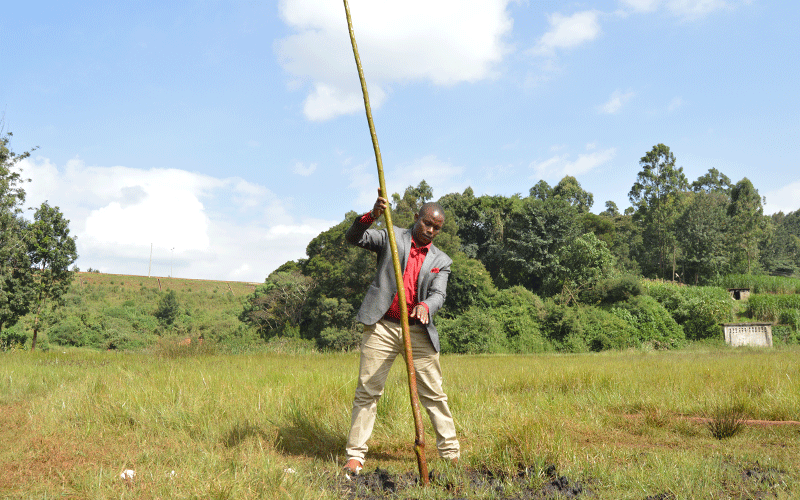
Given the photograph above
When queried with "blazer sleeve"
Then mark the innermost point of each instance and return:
(361, 235)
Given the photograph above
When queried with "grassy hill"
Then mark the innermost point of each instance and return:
(113, 311)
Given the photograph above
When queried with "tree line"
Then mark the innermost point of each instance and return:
(545, 255)
(531, 273)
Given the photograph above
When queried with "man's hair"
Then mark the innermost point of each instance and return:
(430, 206)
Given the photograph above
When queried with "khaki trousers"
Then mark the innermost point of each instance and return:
(380, 345)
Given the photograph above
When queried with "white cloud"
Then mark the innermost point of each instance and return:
(567, 32)
(642, 5)
(300, 169)
(785, 199)
(454, 41)
(556, 167)
(199, 226)
(695, 9)
(615, 102)
(686, 9)
(675, 104)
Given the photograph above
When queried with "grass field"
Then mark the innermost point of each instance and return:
(135, 283)
(194, 424)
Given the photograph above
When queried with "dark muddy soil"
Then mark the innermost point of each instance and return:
(529, 483)
(525, 485)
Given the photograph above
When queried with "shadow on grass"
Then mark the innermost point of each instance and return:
(304, 433)
(240, 432)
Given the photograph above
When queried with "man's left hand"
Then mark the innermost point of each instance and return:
(421, 313)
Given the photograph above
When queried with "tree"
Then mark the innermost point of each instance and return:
(570, 189)
(533, 236)
(16, 280)
(404, 208)
(278, 304)
(541, 190)
(611, 209)
(654, 197)
(713, 182)
(168, 308)
(583, 263)
(52, 250)
(782, 253)
(701, 231)
(748, 222)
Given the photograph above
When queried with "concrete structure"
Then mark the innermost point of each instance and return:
(739, 293)
(755, 334)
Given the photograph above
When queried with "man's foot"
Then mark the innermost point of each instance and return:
(352, 466)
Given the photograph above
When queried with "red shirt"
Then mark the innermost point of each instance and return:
(415, 259)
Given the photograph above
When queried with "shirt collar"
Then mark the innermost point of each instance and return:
(423, 248)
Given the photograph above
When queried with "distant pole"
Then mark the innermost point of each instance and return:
(171, 260)
(150, 265)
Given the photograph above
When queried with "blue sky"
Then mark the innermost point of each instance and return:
(226, 135)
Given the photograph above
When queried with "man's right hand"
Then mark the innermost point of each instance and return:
(379, 207)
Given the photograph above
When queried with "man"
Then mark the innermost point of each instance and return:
(425, 273)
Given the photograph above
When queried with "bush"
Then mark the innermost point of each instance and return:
(339, 339)
(790, 317)
(651, 321)
(612, 290)
(698, 309)
(476, 331)
(66, 332)
(168, 308)
(785, 334)
(470, 285)
(583, 328)
(519, 313)
(13, 338)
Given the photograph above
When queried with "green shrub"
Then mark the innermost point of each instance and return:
(612, 290)
(651, 321)
(583, 328)
(168, 308)
(519, 313)
(785, 334)
(698, 309)
(13, 338)
(790, 317)
(69, 332)
(476, 331)
(339, 339)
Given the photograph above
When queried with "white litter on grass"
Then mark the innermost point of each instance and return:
(172, 474)
(127, 475)
(289, 471)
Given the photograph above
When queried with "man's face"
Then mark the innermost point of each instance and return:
(427, 224)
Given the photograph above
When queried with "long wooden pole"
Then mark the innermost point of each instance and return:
(419, 441)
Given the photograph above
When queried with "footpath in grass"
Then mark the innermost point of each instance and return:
(613, 425)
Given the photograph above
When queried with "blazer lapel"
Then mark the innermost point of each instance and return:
(405, 249)
(425, 270)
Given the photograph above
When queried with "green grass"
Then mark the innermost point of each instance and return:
(768, 307)
(233, 426)
(109, 311)
(760, 283)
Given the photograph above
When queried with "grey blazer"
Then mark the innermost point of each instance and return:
(431, 283)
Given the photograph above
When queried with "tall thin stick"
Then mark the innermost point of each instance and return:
(419, 441)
